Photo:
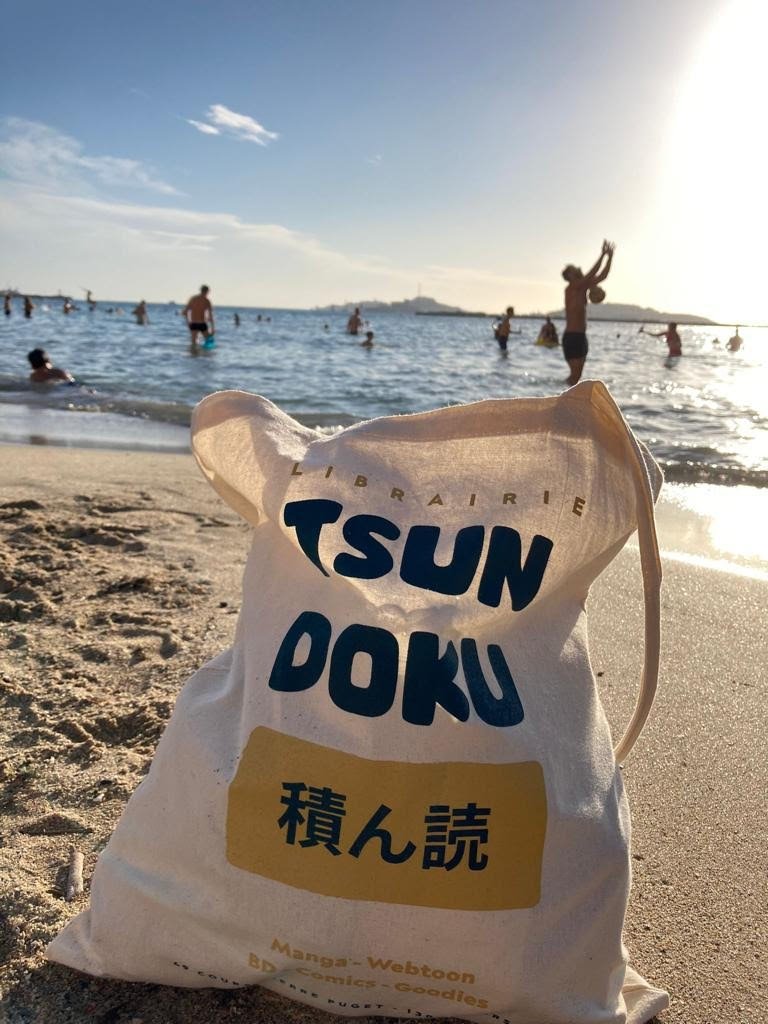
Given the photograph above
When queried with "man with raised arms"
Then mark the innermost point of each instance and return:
(575, 346)
(198, 313)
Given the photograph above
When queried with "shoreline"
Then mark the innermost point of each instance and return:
(710, 525)
(125, 574)
(64, 427)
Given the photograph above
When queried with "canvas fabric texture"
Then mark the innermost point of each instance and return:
(397, 794)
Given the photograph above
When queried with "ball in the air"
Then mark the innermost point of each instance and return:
(596, 294)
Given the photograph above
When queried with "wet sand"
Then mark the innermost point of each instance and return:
(120, 574)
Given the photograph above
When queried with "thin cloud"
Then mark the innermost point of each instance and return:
(375, 159)
(206, 129)
(220, 120)
(41, 156)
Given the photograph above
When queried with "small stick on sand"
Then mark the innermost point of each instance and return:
(75, 877)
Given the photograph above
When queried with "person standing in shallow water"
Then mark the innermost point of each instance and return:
(735, 343)
(575, 345)
(198, 313)
(142, 318)
(355, 322)
(503, 329)
(671, 337)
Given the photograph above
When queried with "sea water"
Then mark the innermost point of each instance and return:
(704, 416)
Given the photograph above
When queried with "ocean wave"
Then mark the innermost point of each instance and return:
(703, 473)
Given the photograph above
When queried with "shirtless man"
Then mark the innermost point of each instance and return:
(671, 337)
(199, 316)
(735, 343)
(575, 346)
(503, 329)
(142, 317)
(355, 322)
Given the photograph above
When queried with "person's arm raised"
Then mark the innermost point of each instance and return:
(591, 275)
(608, 249)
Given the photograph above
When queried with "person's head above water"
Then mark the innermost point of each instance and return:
(38, 358)
(571, 273)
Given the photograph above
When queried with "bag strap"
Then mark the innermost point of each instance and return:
(650, 563)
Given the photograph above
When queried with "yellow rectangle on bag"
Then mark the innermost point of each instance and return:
(453, 834)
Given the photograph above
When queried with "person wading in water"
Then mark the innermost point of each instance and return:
(575, 345)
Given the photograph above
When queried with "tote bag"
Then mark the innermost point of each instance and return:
(396, 794)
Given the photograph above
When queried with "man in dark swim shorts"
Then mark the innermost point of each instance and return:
(575, 346)
(199, 315)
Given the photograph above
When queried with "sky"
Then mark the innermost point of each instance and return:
(303, 152)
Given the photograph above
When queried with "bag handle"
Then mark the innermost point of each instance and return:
(650, 563)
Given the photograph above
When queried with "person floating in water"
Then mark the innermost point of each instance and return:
(503, 328)
(671, 337)
(236, 318)
(548, 335)
(142, 317)
(198, 313)
(355, 322)
(43, 371)
(368, 343)
(67, 307)
(735, 343)
(28, 307)
(7, 307)
(575, 345)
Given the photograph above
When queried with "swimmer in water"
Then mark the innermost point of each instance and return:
(671, 337)
(548, 334)
(28, 307)
(43, 371)
(7, 304)
(735, 343)
(368, 343)
(236, 318)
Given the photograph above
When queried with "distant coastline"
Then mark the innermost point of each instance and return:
(620, 312)
(423, 305)
(616, 312)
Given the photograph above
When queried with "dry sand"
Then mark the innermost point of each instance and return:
(120, 574)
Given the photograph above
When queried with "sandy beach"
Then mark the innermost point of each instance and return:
(120, 575)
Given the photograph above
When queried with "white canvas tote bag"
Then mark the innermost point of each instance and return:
(396, 794)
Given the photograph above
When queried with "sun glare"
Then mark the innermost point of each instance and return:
(714, 190)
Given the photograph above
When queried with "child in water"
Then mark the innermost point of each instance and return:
(368, 343)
